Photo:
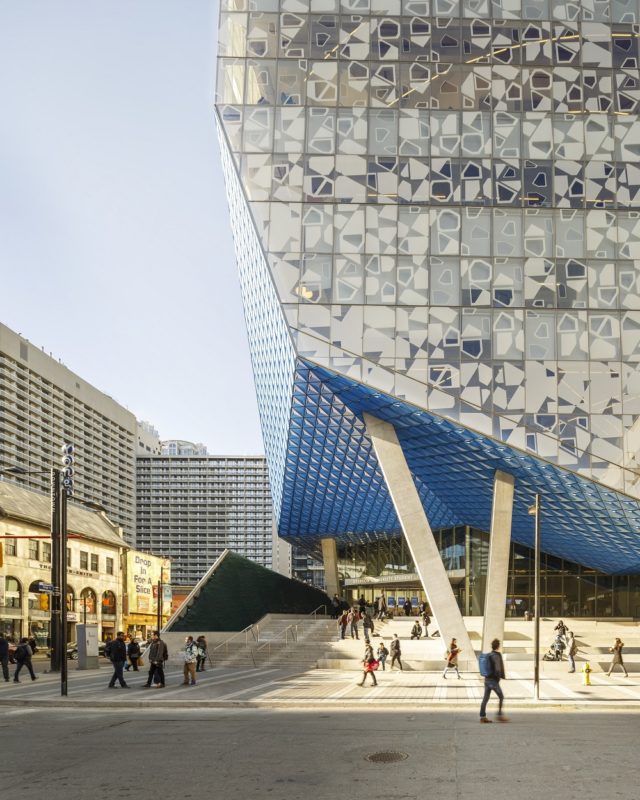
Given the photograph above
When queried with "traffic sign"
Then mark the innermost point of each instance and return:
(46, 588)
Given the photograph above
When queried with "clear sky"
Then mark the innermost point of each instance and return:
(115, 246)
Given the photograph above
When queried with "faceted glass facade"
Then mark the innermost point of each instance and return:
(566, 589)
(439, 201)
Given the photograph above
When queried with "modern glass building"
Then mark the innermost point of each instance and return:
(436, 211)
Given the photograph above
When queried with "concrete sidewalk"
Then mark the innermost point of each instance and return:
(278, 687)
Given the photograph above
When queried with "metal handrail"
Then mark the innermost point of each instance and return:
(253, 629)
(294, 638)
(314, 613)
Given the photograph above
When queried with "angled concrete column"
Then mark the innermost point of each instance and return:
(419, 537)
(330, 560)
(498, 570)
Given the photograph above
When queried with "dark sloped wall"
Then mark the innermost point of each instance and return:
(240, 592)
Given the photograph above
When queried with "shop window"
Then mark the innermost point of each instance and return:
(109, 603)
(12, 593)
(88, 601)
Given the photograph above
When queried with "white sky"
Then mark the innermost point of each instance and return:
(115, 246)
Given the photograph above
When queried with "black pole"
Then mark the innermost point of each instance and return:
(54, 624)
(536, 648)
(159, 615)
(63, 593)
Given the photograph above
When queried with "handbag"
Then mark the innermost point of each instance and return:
(140, 661)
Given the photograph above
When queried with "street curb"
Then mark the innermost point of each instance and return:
(630, 706)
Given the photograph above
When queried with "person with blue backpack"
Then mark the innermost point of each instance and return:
(492, 670)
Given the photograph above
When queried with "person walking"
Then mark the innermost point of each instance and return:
(190, 655)
(382, 654)
(23, 659)
(492, 683)
(617, 657)
(335, 606)
(416, 631)
(158, 654)
(4, 656)
(382, 608)
(370, 665)
(407, 607)
(452, 659)
(426, 621)
(352, 619)
(367, 626)
(396, 652)
(118, 657)
(133, 651)
(201, 644)
(572, 649)
(343, 621)
(362, 604)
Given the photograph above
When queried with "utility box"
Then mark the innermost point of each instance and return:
(87, 646)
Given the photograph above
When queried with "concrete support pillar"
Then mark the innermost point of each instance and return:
(330, 560)
(498, 570)
(419, 538)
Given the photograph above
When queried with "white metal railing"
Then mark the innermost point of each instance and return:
(250, 633)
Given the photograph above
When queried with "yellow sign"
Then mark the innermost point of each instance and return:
(144, 573)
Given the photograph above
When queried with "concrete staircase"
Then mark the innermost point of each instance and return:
(305, 643)
(277, 639)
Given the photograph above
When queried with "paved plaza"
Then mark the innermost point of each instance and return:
(277, 687)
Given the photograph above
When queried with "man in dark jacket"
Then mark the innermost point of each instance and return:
(4, 657)
(492, 683)
(118, 656)
(23, 659)
(157, 655)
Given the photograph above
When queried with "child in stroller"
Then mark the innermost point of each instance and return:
(555, 650)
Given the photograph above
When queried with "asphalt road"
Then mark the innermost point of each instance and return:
(297, 755)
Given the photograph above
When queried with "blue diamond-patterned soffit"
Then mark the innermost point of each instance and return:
(333, 485)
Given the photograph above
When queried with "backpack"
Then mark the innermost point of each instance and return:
(21, 653)
(485, 663)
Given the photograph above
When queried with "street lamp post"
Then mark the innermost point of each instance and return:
(535, 511)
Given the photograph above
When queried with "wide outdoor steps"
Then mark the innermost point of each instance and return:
(303, 642)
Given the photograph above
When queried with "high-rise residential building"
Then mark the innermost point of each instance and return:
(436, 212)
(191, 507)
(179, 447)
(43, 405)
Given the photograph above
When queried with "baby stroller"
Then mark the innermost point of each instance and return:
(556, 650)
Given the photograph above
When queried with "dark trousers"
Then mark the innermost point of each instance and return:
(396, 657)
(152, 670)
(5, 667)
(118, 673)
(26, 664)
(491, 685)
(200, 663)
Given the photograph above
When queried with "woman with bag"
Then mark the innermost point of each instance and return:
(452, 659)
(617, 657)
(133, 651)
(370, 665)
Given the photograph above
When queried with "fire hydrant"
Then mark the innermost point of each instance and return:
(586, 680)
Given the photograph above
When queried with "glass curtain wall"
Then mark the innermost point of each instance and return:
(567, 589)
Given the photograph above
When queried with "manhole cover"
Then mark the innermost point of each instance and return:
(386, 757)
